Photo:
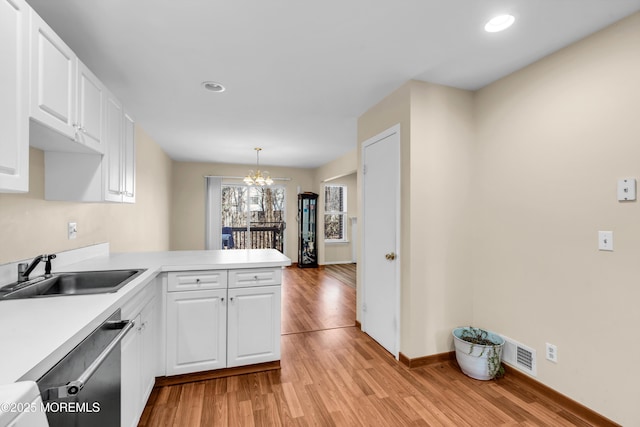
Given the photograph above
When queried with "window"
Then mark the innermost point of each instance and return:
(335, 213)
(252, 217)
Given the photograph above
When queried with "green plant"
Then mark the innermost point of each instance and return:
(477, 336)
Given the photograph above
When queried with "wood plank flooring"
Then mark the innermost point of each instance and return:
(346, 273)
(313, 300)
(334, 375)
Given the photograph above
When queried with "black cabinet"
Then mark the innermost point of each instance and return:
(307, 219)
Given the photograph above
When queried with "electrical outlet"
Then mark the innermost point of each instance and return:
(552, 353)
(72, 230)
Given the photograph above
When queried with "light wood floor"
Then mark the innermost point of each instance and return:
(346, 273)
(333, 374)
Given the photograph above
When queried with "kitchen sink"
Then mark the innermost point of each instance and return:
(74, 283)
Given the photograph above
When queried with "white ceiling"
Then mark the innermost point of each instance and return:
(299, 73)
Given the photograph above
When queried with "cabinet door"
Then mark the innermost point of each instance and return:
(196, 331)
(129, 160)
(53, 79)
(130, 397)
(14, 102)
(90, 109)
(113, 154)
(149, 350)
(253, 325)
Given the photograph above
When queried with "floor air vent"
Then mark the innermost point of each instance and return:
(519, 356)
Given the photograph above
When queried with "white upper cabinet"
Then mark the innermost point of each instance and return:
(65, 95)
(129, 160)
(113, 159)
(50, 100)
(119, 161)
(14, 102)
(91, 177)
(90, 109)
(53, 79)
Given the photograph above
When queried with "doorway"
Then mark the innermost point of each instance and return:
(253, 217)
(381, 238)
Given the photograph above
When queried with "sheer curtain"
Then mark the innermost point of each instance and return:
(213, 217)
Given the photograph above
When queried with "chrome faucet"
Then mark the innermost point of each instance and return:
(24, 269)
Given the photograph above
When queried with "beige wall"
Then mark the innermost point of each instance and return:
(441, 160)
(188, 209)
(29, 225)
(341, 252)
(342, 170)
(553, 140)
(503, 193)
(393, 109)
(437, 141)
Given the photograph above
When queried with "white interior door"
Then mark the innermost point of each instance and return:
(380, 239)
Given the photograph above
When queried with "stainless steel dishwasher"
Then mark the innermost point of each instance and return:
(83, 389)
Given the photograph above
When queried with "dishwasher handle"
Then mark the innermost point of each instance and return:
(73, 387)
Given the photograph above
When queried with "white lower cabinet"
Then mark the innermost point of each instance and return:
(217, 327)
(196, 331)
(139, 351)
(253, 330)
(131, 384)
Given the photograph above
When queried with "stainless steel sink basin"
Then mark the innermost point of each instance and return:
(76, 283)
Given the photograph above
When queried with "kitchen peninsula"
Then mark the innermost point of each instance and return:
(194, 310)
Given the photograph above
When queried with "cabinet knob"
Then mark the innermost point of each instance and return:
(390, 256)
(198, 281)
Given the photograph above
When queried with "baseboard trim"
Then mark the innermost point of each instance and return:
(586, 413)
(295, 265)
(218, 373)
(426, 360)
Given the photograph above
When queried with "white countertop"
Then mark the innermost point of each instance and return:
(35, 333)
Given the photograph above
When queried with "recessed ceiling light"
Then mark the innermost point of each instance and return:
(213, 86)
(499, 23)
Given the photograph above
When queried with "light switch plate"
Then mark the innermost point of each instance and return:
(605, 240)
(626, 189)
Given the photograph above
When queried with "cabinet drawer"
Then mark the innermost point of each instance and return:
(255, 277)
(195, 280)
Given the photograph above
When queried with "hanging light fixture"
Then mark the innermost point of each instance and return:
(257, 178)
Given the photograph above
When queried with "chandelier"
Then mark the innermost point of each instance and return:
(257, 178)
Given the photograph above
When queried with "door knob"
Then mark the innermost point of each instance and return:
(390, 256)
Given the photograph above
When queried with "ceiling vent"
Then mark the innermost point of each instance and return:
(519, 356)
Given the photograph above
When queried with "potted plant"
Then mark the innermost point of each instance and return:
(479, 352)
